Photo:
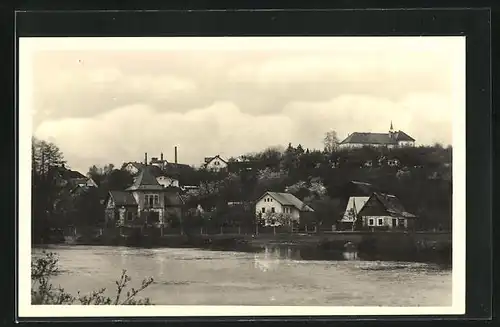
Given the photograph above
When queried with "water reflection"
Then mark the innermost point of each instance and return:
(271, 256)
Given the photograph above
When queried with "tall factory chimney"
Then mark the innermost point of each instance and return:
(175, 154)
(161, 156)
(146, 158)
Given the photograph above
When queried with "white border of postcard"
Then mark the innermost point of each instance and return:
(27, 46)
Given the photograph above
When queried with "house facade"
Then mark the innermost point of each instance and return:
(146, 202)
(391, 139)
(383, 212)
(280, 204)
(215, 163)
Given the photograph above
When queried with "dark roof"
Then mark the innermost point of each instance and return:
(175, 168)
(67, 174)
(369, 138)
(156, 171)
(288, 199)
(402, 136)
(392, 204)
(145, 181)
(122, 198)
(377, 138)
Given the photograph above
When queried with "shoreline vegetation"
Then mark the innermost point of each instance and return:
(45, 267)
(390, 246)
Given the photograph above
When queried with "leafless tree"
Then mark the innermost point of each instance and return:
(331, 141)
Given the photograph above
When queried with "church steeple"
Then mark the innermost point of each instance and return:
(391, 131)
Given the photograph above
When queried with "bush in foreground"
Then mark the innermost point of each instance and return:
(43, 292)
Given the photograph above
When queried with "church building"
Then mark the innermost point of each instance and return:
(391, 139)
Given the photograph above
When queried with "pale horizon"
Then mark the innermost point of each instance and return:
(111, 102)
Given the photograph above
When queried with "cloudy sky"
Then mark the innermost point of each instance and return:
(109, 101)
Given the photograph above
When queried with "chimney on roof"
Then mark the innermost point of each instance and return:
(161, 156)
(175, 154)
(145, 158)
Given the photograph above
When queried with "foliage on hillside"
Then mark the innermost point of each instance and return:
(419, 176)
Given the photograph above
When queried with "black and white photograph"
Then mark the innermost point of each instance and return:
(186, 176)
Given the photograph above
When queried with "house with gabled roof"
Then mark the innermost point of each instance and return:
(72, 179)
(384, 211)
(215, 163)
(281, 203)
(145, 202)
(391, 139)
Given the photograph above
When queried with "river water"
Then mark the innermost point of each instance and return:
(272, 276)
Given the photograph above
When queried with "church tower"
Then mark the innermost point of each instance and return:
(391, 130)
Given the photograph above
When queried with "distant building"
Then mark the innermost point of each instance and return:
(146, 202)
(166, 173)
(391, 139)
(281, 203)
(71, 179)
(215, 163)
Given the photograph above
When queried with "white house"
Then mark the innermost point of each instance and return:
(280, 203)
(390, 140)
(215, 163)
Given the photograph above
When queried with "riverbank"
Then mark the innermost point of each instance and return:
(416, 246)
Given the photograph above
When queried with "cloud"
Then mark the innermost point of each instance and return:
(73, 90)
(415, 114)
(125, 133)
(104, 106)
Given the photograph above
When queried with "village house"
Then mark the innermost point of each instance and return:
(72, 179)
(380, 212)
(391, 139)
(280, 203)
(215, 163)
(146, 202)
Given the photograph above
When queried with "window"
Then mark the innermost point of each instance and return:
(401, 222)
(380, 221)
(272, 210)
(152, 199)
(129, 216)
(370, 222)
(263, 210)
